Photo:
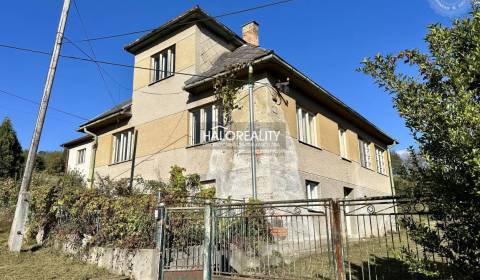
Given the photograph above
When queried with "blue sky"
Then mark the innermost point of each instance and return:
(325, 39)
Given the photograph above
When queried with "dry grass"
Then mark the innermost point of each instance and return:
(44, 263)
(368, 258)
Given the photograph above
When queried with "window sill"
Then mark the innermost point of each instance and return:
(310, 145)
(120, 162)
(345, 159)
(383, 174)
(202, 144)
(152, 83)
(368, 168)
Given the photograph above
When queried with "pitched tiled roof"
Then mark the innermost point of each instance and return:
(245, 53)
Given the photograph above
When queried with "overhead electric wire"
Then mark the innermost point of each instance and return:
(38, 103)
(112, 63)
(189, 22)
(115, 80)
(93, 53)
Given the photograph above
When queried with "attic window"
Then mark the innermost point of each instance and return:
(163, 64)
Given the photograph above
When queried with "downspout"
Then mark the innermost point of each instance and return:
(390, 169)
(253, 165)
(392, 184)
(91, 169)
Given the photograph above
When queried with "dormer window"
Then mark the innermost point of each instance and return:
(163, 64)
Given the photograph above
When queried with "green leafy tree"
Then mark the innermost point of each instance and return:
(11, 159)
(397, 162)
(54, 162)
(441, 106)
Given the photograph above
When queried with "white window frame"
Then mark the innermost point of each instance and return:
(365, 153)
(123, 143)
(342, 137)
(81, 155)
(379, 157)
(306, 127)
(313, 193)
(163, 64)
(216, 125)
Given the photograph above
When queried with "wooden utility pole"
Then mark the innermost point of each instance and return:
(17, 230)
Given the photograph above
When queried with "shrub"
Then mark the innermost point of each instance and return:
(8, 192)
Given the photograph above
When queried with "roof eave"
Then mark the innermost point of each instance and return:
(390, 140)
(121, 115)
(77, 142)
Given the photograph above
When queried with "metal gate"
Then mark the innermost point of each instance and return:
(296, 239)
(182, 242)
(287, 240)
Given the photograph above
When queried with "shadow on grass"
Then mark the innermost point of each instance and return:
(394, 269)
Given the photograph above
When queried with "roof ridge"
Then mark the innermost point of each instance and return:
(170, 26)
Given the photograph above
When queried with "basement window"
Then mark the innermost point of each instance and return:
(312, 194)
(365, 156)
(122, 146)
(307, 131)
(163, 64)
(81, 156)
(206, 125)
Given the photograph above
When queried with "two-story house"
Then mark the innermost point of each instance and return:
(324, 149)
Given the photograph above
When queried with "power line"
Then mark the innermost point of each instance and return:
(38, 103)
(189, 22)
(93, 52)
(115, 80)
(112, 63)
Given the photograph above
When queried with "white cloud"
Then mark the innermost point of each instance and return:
(404, 154)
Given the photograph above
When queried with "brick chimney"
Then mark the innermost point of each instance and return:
(250, 33)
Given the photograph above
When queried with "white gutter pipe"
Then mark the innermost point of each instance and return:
(91, 169)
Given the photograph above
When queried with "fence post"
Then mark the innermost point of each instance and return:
(160, 227)
(335, 215)
(207, 243)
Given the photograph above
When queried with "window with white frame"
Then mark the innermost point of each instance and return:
(365, 156)
(123, 146)
(342, 135)
(307, 130)
(163, 64)
(206, 124)
(81, 156)
(312, 194)
(380, 160)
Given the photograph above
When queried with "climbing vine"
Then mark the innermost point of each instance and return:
(226, 88)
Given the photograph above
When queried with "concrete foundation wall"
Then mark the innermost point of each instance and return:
(139, 264)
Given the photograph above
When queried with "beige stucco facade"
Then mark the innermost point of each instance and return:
(160, 117)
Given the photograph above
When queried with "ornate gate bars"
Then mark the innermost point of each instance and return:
(296, 239)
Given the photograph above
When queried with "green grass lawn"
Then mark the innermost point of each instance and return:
(45, 263)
